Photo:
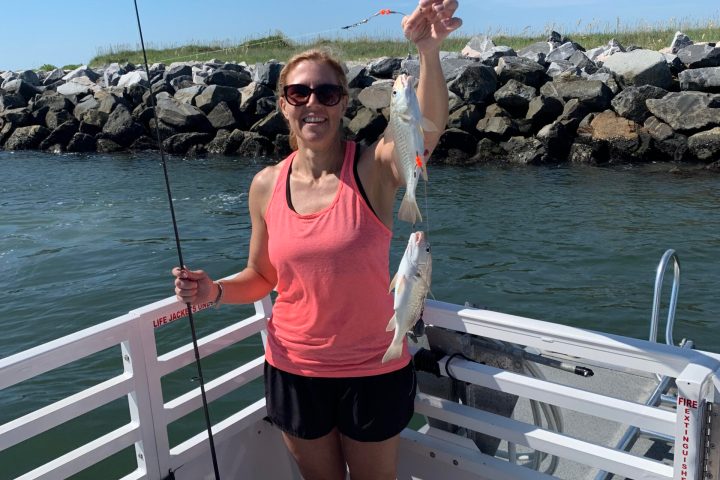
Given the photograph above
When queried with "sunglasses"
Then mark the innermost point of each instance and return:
(327, 94)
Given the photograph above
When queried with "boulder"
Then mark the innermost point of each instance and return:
(687, 111)
(81, 71)
(11, 101)
(700, 55)
(543, 110)
(701, 79)
(594, 94)
(515, 97)
(640, 67)
(138, 77)
(367, 125)
(267, 74)
(521, 69)
(478, 45)
(225, 142)
(213, 95)
(176, 70)
(537, 52)
(255, 146)
(493, 56)
(27, 138)
(60, 136)
(272, 125)
(376, 96)
(77, 86)
(222, 116)
(619, 139)
(384, 67)
(229, 78)
(181, 143)
(705, 146)
(524, 151)
(630, 103)
(476, 83)
(81, 142)
(466, 118)
(121, 127)
(181, 116)
(21, 88)
(679, 41)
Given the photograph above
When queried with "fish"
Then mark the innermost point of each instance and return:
(406, 130)
(412, 285)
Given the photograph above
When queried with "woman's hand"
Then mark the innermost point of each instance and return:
(430, 23)
(194, 286)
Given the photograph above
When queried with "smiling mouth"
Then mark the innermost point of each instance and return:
(314, 120)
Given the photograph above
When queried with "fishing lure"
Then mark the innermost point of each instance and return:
(384, 11)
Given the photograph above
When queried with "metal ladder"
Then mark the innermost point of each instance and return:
(659, 395)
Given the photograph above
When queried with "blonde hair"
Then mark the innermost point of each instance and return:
(312, 55)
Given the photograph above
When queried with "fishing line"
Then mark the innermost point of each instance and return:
(180, 256)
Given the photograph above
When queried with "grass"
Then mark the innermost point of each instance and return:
(280, 47)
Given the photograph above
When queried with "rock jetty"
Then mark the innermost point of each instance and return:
(548, 103)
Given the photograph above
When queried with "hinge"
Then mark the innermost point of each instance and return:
(711, 442)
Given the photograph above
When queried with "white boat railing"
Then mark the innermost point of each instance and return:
(696, 375)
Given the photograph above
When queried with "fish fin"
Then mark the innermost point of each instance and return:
(400, 285)
(392, 324)
(406, 118)
(394, 351)
(392, 283)
(428, 125)
(422, 165)
(409, 211)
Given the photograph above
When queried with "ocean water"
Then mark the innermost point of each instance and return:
(86, 238)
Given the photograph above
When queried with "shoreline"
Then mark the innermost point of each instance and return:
(551, 103)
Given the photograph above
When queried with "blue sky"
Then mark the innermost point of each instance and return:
(72, 31)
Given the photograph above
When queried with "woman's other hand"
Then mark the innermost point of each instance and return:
(430, 23)
(194, 286)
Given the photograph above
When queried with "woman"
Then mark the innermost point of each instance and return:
(321, 231)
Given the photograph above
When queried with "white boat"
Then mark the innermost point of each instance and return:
(643, 398)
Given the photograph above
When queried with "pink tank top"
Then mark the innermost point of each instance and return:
(333, 305)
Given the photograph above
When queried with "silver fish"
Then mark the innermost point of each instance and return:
(405, 129)
(411, 284)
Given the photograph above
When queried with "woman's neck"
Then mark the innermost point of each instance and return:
(316, 163)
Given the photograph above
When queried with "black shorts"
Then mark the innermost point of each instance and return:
(366, 409)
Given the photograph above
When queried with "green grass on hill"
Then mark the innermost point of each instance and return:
(280, 47)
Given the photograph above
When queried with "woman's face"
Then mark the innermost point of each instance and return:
(315, 125)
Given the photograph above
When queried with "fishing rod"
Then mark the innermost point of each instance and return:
(200, 378)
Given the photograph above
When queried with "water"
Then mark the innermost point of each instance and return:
(84, 239)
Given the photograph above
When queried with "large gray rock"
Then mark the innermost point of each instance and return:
(175, 71)
(493, 56)
(77, 86)
(229, 78)
(543, 110)
(679, 41)
(267, 73)
(271, 126)
(81, 142)
(81, 71)
(181, 116)
(563, 52)
(687, 111)
(222, 116)
(121, 127)
(521, 69)
(476, 84)
(700, 55)
(20, 87)
(53, 77)
(705, 146)
(377, 95)
(384, 67)
(27, 138)
(515, 97)
(537, 52)
(60, 136)
(181, 143)
(187, 95)
(478, 45)
(11, 101)
(630, 103)
(592, 93)
(701, 79)
(213, 95)
(641, 67)
(137, 77)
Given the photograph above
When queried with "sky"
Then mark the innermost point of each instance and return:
(38, 32)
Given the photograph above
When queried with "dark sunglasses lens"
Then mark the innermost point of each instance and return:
(329, 94)
(297, 94)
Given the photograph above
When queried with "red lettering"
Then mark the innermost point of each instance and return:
(686, 439)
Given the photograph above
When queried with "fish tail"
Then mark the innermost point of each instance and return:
(409, 211)
(394, 351)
